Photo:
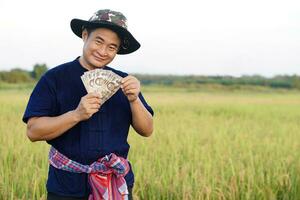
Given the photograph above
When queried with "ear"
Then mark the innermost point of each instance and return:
(84, 35)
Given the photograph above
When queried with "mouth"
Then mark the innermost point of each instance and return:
(99, 58)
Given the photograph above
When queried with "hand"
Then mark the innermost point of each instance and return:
(131, 87)
(88, 105)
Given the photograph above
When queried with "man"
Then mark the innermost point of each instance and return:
(77, 125)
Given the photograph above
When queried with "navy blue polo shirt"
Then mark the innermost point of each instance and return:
(58, 91)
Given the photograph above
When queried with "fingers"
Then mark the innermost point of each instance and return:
(93, 106)
(89, 104)
(131, 87)
(92, 95)
(129, 80)
(93, 101)
(131, 92)
(87, 107)
(126, 78)
(91, 98)
(130, 84)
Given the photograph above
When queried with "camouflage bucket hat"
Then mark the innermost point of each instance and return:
(112, 20)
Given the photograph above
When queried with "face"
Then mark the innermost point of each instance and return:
(100, 47)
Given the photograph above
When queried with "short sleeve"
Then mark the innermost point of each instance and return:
(146, 104)
(42, 101)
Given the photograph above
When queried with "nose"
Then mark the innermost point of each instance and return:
(102, 50)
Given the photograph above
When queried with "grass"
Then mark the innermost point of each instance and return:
(207, 144)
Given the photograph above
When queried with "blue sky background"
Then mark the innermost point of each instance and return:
(216, 37)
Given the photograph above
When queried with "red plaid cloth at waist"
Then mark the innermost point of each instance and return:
(106, 175)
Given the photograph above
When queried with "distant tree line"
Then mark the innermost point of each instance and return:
(23, 76)
(280, 81)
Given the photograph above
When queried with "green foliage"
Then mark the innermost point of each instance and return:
(295, 82)
(15, 76)
(282, 81)
(190, 81)
(23, 76)
(39, 70)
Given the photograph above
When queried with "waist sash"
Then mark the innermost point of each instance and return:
(106, 175)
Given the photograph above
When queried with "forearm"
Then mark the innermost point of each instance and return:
(142, 120)
(47, 128)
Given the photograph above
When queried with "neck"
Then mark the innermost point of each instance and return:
(86, 65)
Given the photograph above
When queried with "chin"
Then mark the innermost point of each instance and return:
(98, 64)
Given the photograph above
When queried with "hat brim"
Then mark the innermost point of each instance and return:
(128, 44)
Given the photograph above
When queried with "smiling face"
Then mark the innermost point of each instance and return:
(100, 47)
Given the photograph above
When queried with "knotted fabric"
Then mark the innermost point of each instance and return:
(106, 175)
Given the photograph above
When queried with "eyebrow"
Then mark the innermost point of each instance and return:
(100, 38)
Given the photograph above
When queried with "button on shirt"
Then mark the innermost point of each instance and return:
(59, 91)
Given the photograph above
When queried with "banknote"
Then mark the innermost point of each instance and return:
(104, 82)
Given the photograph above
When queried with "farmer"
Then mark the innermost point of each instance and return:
(89, 139)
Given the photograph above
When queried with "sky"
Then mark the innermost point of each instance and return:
(190, 37)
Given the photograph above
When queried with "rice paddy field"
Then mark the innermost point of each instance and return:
(207, 144)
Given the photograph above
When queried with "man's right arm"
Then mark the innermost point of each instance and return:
(48, 128)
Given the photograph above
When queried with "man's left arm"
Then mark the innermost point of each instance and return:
(142, 120)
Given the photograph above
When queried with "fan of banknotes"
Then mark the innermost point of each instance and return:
(104, 82)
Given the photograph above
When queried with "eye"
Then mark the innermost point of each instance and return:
(112, 48)
(98, 42)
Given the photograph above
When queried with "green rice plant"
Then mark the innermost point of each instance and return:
(206, 145)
